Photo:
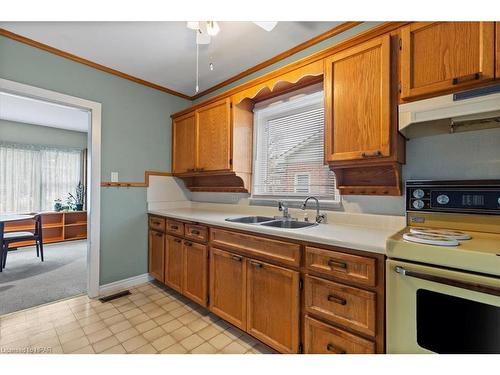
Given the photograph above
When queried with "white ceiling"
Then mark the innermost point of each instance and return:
(38, 112)
(165, 52)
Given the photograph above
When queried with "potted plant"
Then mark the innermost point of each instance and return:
(79, 200)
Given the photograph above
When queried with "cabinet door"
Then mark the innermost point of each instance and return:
(214, 136)
(195, 268)
(273, 305)
(156, 254)
(441, 56)
(184, 143)
(228, 287)
(357, 102)
(173, 263)
(497, 50)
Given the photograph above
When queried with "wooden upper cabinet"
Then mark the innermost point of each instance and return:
(214, 136)
(357, 102)
(173, 262)
(443, 56)
(497, 50)
(273, 305)
(228, 286)
(156, 254)
(184, 143)
(195, 272)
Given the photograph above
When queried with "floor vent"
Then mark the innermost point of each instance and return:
(115, 296)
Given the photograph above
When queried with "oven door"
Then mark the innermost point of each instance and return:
(435, 310)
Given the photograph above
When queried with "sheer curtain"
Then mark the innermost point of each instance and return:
(32, 176)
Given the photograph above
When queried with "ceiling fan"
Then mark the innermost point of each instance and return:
(207, 29)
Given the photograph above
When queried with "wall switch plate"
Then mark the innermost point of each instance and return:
(114, 176)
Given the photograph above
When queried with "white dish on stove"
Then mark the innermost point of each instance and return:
(430, 239)
(448, 233)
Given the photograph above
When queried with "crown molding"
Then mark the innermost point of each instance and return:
(81, 60)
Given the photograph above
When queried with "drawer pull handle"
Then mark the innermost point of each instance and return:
(191, 170)
(236, 258)
(375, 154)
(256, 264)
(336, 299)
(196, 232)
(188, 243)
(156, 222)
(333, 349)
(158, 234)
(177, 240)
(174, 227)
(470, 77)
(334, 263)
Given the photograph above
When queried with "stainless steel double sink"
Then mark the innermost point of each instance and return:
(272, 222)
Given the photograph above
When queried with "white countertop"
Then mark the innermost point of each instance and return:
(354, 231)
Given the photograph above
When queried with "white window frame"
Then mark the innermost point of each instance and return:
(308, 101)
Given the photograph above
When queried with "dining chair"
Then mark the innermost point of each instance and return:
(36, 236)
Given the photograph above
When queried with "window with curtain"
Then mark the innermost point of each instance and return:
(288, 150)
(33, 176)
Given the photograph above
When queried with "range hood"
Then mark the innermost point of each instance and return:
(464, 111)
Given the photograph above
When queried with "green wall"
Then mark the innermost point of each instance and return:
(135, 138)
(19, 132)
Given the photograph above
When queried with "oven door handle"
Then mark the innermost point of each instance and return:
(444, 280)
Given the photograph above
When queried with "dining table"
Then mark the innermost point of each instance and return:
(5, 218)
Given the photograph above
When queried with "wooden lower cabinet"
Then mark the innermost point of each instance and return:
(228, 286)
(156, 254)
(321, 338)
(173, 262)
(194, 272)
(273, 305)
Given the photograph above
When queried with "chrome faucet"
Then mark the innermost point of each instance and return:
(320, 218)
(282, 206)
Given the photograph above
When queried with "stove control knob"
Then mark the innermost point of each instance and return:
(418, 193)
(443, 199)
(418, 204)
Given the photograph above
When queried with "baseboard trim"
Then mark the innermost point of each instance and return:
(120, 285)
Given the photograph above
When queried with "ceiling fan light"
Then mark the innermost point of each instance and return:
(266, 25)
(193, 25)
(212, 28)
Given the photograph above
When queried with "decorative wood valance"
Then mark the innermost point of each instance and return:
(293, 80)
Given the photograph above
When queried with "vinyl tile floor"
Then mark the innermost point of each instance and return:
(151, 320)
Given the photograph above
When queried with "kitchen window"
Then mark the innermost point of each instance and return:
(289, 150)
(33, 176)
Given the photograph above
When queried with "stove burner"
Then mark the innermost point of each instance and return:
(430, 239)
(448, 233)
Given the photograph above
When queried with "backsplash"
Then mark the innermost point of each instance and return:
(468, 155)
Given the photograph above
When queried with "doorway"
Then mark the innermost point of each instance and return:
(67, 226)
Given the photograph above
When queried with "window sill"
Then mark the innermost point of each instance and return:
(295, 203)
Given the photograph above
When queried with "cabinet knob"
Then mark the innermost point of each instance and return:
(177, 240)
(339, 300)
(236, 258)
(188, 243)
(195, 232)
(256, 264)
(333, 349)
(470, 77)
(158, 234)
(333, 263)
(374, 154)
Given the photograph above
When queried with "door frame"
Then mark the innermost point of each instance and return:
(93, 167)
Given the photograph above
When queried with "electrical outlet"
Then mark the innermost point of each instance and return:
(114, 176)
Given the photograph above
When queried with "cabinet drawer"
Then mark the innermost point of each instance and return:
(157, 223)
(196, 232)
(279, 251)
(321, 338)
(342, 266)
(342, 304)
(175, 227)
